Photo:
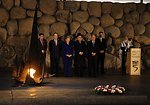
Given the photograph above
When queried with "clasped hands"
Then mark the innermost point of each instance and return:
(69, 55)
(43, 51)
(93, 53)
(80, 53)
(101, 51)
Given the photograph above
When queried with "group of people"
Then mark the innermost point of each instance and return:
(87, 57)
(77, 50)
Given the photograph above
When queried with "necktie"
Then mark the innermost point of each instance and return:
(41, 42)
(93, 43)
(101, 40)
(56, 42)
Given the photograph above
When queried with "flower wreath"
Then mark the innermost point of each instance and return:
(110, 89)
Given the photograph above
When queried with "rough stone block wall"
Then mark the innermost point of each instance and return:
(16, 19)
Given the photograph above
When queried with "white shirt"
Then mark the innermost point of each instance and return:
(93, 42)
(127, 44)
(55, 42)
(101, 39)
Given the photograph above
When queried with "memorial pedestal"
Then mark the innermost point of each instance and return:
(134, 61)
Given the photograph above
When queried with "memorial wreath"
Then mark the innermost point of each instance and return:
(109, 89)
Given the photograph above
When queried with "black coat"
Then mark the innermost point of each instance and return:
(103, 44)
(79, 60)
(42, 47)
(91, 48)
(55, 51)
(92, 60)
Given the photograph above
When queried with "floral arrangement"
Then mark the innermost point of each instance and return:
(109, 89)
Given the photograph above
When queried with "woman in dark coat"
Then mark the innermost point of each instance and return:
(80, 54)
(67, 55)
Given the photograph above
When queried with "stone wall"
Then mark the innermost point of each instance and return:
(16, 18)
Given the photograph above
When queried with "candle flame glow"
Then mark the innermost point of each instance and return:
(31, 72)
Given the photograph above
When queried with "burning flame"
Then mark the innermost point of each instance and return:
(31, 72)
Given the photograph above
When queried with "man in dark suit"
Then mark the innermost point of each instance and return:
(92, 49)
(101, 54)
(55, 52)
(42, 47)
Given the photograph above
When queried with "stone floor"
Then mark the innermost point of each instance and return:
(76, 91)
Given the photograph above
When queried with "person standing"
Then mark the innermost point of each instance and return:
(101, 53)
(123, 54)
(42, 47)
(55, 52)
(80, 54)
(92, 49)
(124, 48)
(67, 55)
